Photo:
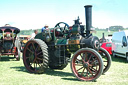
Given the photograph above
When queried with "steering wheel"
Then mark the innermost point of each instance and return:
(64, 27)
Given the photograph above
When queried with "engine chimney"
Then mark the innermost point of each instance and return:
(103, 39)
(88, 18)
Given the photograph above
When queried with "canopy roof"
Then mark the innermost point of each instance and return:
(9, 29)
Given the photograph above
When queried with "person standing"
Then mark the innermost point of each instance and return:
(34, 34)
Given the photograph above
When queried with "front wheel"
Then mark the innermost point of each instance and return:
(87, 64)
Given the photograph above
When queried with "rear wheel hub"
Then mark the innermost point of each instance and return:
(85, 65)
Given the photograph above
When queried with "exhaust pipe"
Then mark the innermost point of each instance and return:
(88, 18)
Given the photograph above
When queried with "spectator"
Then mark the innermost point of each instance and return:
(45, 27)
(34, 34)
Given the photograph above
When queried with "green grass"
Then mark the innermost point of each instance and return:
(14, 73)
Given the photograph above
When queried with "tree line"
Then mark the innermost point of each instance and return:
(111, 28)
(28, 32)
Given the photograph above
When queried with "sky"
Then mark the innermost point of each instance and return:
(34, 14)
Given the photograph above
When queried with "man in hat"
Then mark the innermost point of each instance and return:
(45, 27)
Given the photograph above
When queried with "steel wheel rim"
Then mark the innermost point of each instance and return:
(89, 69)
(33, 57)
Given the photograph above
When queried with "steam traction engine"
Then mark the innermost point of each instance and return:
(9, 44)
(53, 49)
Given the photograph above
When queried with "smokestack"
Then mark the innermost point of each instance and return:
(103, 38)
(88, 18)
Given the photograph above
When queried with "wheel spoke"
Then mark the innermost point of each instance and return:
(80, 68)
(39, 53)
(82, 59)
(79, 60)
(93, 70)
(30, 50)
(83, 72)
(89, 58)
(89, 70)
(33, 46)
(94, 62)
(39, 58)
(36, 47)
(85, 56)
(78, 64)
(87, 74)
(34, 60)
(34, 65)
(40, 66)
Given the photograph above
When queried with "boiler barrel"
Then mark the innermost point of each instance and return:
(91, 42)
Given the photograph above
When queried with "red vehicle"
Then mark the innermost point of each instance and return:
(107, 46)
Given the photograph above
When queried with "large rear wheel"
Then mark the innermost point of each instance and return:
(87, 64)
(35, 56)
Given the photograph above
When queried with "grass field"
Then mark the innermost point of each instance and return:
(14, 73)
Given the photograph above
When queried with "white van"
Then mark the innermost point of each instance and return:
(120, 44)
